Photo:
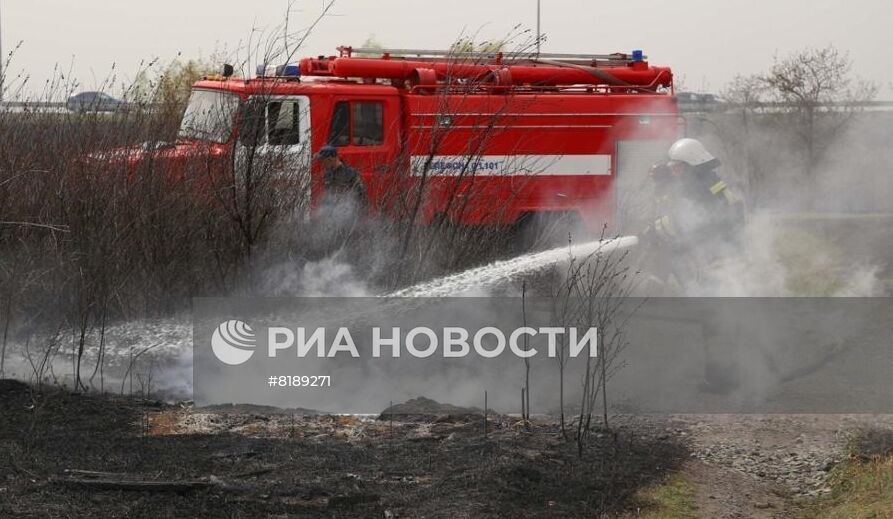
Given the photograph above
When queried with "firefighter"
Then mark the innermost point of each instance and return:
(699, 224)
(343, 201)
(338, 177)
(698, 220)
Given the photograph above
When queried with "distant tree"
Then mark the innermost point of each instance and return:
(819, 95)
(745, 96)
(371, 42)
(176, 82)
(170, 87)
(790, 115)
(469, 45)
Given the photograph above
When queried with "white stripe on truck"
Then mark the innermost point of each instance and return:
(507, 165)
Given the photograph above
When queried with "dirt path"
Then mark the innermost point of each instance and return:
(724, 493)
(763, 466)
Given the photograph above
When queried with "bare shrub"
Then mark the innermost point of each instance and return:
(782, 123)
(594, 292)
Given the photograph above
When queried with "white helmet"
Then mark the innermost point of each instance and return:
(691, 152)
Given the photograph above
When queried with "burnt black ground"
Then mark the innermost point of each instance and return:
(452, 472)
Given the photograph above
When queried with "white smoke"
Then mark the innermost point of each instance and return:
(784, 260)
(329, 277)
(822, 233)
(775, 259)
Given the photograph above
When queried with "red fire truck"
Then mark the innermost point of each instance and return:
(474, 138)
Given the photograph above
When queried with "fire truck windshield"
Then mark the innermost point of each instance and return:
(209, 116)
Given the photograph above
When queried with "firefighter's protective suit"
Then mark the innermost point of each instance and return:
(697, 220)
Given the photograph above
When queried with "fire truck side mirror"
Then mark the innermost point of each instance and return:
(227, 70)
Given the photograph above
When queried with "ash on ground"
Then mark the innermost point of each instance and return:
(92, 456)
(423, 409)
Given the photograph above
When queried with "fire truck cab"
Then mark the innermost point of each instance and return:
(473, 138)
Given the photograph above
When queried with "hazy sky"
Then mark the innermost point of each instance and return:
(705, 41)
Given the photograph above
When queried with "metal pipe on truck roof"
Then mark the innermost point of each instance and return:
(520, 74)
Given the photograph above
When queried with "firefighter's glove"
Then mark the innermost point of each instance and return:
(664, 230)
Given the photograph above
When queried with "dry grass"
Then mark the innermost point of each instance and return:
(813, 264)
(862, 487)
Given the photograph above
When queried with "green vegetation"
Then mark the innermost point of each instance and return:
(672, 499)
